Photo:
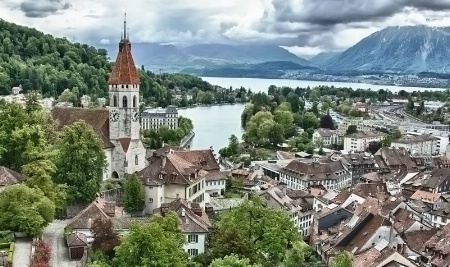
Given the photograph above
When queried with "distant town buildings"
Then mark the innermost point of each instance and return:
(360, 141)
(325, 137)
(153, 119)
(425, 145)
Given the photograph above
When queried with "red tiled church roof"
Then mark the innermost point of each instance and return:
(124, 71)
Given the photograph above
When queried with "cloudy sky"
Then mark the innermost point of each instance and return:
(305, 27)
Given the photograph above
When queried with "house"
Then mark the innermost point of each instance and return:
(436, 251)
(77, 244)
(359, 164)
(118, 127)
(325, 137)
(391, 159)
(9, 177)
(82, 222)
(174, 174)
(425, 145)
(300, 209)
(360, 141)
(302, 175)
(436, 181)
(194, 224)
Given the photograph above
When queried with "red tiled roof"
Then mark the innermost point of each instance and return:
(124, 71)
(98, 119)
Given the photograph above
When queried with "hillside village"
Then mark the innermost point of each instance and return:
(375, 189)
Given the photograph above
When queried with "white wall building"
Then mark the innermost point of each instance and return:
(442, 140)
(360, 141)
(157, 117)
(326, 137)
(424, 145)
(302, 175)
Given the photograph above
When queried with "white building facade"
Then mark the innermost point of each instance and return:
(360, 141)
(153, 119)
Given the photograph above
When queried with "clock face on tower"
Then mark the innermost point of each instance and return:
(114, 115)
(135, 116)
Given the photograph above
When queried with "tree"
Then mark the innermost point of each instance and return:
(232, 241)
(300, 255)
(80, 162)
(68, 96)
(309, 120)
(342, 259)
(232, 261)
(105, 238)
(25, 209)
(270, 231)
(326, 122)
(294, 100)
(145, 244)
(41, 256)
(351, 130)
(374, 147)
(133, 195)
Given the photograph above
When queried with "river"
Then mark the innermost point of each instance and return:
(213, 125)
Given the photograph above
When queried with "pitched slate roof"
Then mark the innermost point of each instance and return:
(124, 71)
(86, 217)
(77, 240)
(98, 119)
(415, 239)
(181, 167)
(9, 177)
(190, 222)
(323, 170)
(125, 143)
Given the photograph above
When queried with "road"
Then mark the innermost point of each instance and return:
(54, 236)
(22, 252)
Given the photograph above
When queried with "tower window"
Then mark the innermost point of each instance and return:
(114, 101)
(134, 101)
(122, 85)
(136, 160)
(127, 86)
(124, 102)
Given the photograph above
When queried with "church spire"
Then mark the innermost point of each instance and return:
(125, 36)
(124, 71)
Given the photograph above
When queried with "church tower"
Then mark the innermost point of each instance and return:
(124, 125)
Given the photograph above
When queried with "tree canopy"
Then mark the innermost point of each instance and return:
(232, 261)
(267, 232)
(133, 195)
(342, 259)
(80, 162)
(157, 243)
(25, 209)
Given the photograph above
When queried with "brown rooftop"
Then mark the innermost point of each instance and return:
(124, 70)
(98, 119)
(9, 177)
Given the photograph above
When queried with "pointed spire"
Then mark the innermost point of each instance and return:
(124, 71)
(125, 26)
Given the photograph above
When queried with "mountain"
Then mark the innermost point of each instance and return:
(324, 58)
(175, 58)
(408, 49)
(244, 53)
(271, 69)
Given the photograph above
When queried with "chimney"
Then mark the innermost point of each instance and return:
(89, 224)
(183, 212)
(164, 158)
(284, 190)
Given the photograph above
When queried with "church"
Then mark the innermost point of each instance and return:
(117, 127)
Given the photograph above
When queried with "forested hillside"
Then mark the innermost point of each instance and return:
(50, 65)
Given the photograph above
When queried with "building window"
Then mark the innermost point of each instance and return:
(114, 101)
(134, 101)
(136, 160)
(193, 252)
(124, 102)
(192, 238)
(150, 200)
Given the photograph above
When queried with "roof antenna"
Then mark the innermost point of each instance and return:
(125, 26)
(128, 34)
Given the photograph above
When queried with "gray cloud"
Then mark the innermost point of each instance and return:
(332, 12)
(42, 8)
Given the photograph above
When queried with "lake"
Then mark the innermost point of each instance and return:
(213, 125)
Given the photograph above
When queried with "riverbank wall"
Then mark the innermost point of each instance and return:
(187, 139)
